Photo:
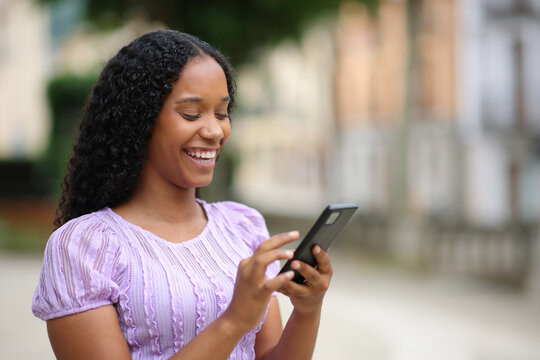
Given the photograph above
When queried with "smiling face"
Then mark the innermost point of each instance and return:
(192, 127)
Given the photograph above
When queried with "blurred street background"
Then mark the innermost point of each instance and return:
(426, 113)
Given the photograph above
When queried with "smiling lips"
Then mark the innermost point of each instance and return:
(203, 156)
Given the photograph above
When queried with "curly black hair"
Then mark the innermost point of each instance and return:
(119, 116)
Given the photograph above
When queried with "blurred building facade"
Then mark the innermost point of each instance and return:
(85, 50)
(425, 114)
(24, 71)
(38, 42)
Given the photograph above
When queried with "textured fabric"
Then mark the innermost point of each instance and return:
(165, 293)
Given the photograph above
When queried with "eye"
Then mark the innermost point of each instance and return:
(190, 117)
(222, 116)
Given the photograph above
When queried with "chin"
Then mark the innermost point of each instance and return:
(199, 184)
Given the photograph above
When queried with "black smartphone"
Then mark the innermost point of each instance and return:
(325, 230)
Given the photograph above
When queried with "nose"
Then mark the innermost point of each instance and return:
(212, 129)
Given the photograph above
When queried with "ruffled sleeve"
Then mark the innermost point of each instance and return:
(81, 261)
(253, 225)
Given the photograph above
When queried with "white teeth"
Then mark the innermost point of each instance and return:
(203, 155)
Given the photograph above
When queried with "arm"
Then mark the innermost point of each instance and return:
(96, 334)
(297, 341)
(271, 329)
(93, 334)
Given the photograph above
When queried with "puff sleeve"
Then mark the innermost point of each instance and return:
(81, 266)
(254, 230)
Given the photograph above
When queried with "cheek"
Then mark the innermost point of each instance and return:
(226, 128)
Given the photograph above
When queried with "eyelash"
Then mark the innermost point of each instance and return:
(195, 117)
(190, 117)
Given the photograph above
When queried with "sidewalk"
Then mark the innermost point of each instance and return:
(369, 313)
(22, 336)
(373, 313)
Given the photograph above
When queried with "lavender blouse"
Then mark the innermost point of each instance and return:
(165, 293)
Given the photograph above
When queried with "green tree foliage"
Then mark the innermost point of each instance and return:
(20, 179)
(29, 178)
(237, 27)
(67, 95)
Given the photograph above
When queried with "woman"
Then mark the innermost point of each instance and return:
(141, 268)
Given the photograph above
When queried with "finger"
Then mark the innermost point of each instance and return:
(323, 260)
(278, 241)
(294, 289)
(279, 282)
(269, 251)
(309, 273)
(261, 260)
(283, 291)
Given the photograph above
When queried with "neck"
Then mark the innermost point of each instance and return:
(166, 203)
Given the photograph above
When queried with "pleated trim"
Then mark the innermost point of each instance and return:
(219, 291)
(127, 316)
(200, 304)
(149, 284)
(177, 324)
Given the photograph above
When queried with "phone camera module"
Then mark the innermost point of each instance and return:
(332, 218)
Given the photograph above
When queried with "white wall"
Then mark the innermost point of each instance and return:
(24, 66)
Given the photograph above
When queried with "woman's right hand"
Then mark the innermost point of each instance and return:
(252, 289)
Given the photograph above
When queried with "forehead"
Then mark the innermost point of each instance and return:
(201, 73)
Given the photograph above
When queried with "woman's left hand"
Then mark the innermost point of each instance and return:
(308, 297)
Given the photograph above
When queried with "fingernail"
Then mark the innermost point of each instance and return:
(293, 234)
(289, 253)
(316, 249)
(295, 265)
(289, 274)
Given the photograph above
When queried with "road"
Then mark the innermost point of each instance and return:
(370, 312)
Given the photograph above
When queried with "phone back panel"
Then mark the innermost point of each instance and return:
(324, 234)
(325, 230)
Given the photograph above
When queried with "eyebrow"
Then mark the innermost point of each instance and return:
(198, 99)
